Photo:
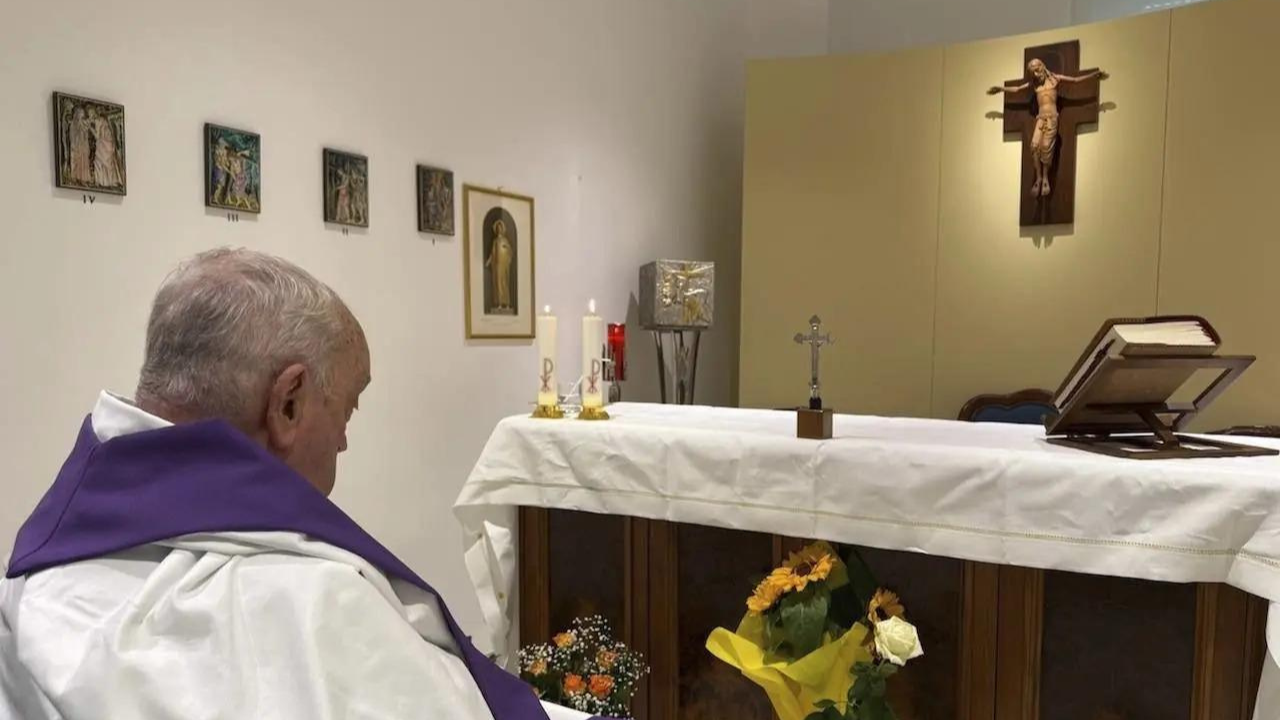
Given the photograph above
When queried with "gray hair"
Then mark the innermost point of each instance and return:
(226, 322)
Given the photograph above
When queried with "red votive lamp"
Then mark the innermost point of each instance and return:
(618, 350)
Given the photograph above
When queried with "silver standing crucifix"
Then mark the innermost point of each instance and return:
(815, 341)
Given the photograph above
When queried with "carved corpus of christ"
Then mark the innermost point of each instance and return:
(1046, 108)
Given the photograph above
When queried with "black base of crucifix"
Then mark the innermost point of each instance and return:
(1077, 105)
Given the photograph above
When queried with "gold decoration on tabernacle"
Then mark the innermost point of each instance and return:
(682, 286)
(677, 294)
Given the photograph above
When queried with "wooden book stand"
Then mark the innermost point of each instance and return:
(1124, 409)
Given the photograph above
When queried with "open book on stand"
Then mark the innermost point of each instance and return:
(1139, 381)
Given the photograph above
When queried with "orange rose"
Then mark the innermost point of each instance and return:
(564, 640)
(601, 686)
(538, 667)
(605, 659)
(574, 684)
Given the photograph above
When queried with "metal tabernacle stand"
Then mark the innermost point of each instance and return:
(677, 303)
(677, 382)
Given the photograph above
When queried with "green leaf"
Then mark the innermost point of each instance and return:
(831, 713)
(876, 709)
(824, 703)
(861, 579)
(773, 636)
(888, 670)
(861, 689)
(846, 608)
(804, 619)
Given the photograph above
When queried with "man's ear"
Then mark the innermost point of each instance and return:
(290, 393)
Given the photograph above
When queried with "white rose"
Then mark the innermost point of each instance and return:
(897, 641)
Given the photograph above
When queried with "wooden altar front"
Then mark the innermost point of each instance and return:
(1001, 642)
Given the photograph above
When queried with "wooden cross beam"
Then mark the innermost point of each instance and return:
(1047, 111)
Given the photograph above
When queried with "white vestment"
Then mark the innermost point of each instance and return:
(232, 626)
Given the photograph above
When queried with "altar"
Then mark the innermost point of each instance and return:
(1046, 582)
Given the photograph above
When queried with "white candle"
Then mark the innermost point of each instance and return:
(592, 354)
(548, 393)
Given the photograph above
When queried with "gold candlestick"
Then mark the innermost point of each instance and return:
(593, 413)
(548, 412)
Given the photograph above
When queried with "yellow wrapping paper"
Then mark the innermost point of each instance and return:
(793, 687)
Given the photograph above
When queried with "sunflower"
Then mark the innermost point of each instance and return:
(765, 595)
(812, 564)
(782, 580)
(884, 605)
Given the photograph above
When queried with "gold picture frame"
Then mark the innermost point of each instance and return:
(498, 263)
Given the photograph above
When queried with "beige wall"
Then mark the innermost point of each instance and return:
(962, 301)
(1014, 308)
(841, 212)
(1221, 248)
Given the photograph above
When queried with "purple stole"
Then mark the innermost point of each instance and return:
(208, 477)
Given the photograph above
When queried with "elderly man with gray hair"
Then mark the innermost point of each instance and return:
(187, 563)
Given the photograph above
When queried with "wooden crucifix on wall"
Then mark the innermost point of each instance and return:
(1047, 107)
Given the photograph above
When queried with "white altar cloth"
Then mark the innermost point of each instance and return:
(993, 493)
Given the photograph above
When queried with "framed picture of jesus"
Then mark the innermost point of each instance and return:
(88, 145)
(435, 201)
(346, 188)
(232, 169)
(498, 263)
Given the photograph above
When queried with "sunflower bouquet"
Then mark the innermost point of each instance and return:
(584, 668)
(822, 638)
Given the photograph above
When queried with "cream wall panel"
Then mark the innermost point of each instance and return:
(1221, 251)
(1015, 306)
(840, 219)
